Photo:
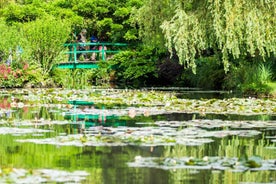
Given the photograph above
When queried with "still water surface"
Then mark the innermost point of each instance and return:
(109, 164)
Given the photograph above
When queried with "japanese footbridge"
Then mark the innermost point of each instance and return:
(101, 54)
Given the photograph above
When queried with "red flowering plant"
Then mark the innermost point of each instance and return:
(14, 75)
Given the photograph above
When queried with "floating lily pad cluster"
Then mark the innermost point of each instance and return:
(16, 175)
(253, 163)
(133, 103)
(145, 136)
(218, 124)
(165, 101)
(21, 131)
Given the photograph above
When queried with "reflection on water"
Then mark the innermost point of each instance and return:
(188, 116)
(206, 94)
(108, 164)
(197, 93)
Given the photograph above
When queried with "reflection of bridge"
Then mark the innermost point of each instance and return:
(74, 63)
(87, 119)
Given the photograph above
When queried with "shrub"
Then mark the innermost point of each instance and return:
(68, 78)
(43, 41)
(250, 78)
(12, 76)
(135, 66)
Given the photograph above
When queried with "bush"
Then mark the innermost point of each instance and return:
(18, 74)
(77, 78)
(250, 78)
(135, 66)
(43, 41)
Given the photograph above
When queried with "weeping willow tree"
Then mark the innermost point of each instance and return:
(234, 28)
(149, 18)
(3, 3)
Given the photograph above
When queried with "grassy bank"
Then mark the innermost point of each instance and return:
(273, 86)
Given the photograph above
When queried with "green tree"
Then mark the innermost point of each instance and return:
(26, 11)
(104, 18)
(232, 28)
(136, 67)
(43, 41)
(4, 3)
(149, 18)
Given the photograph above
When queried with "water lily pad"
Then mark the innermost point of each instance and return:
(16, 175)
(147, 136)
(20, 131)
(212, 163)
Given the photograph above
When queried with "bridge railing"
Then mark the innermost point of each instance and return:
(106, 47)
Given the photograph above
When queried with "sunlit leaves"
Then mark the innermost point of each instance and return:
(44, 40)
(149, 18)
(17, 13)
(122, 12)
(184, 33)
(236, 28)
(10, 38)
(135, 65)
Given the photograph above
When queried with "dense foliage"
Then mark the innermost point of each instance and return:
(230, 35)
(232, 29)
(135, 66)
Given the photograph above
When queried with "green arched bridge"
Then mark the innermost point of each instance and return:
(103, 51)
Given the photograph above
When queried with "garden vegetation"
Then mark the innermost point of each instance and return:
(211, 44)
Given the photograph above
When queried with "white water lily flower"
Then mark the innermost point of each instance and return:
(20, 105)
(138, 158)
(206, 158)
(167, 104)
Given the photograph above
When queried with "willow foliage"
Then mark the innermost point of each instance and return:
(149, 18)
(233, 27)
(188, 40)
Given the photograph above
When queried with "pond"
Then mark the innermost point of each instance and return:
(164, 136)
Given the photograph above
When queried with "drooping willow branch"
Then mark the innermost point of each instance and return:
(236, 27)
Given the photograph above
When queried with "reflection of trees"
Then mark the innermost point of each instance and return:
(233, 146)
(34, 156)
(186, 176)
(104, 164)
(238, 147)
(30, 155)
(27, 112)
(34, 113)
